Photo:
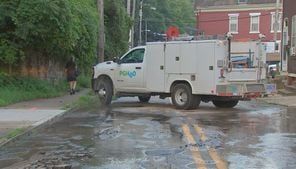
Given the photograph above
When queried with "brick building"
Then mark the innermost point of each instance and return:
(245, 19)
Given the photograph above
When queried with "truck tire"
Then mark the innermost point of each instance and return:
(105, 91)
(225, 104)
(182, 97)
(144, 99)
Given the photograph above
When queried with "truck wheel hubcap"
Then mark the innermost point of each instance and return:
(102, 92)
(181, 97)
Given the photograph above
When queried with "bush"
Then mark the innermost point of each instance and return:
(84, 81)
(56, 28)
(15, 89)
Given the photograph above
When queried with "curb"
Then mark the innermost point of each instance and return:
(31, 129)
(277, 103)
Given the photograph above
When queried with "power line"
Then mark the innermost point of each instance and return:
(202, 21)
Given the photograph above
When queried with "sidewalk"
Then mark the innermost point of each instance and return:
(18, 118)
(288, 101)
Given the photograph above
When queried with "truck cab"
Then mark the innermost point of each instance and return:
(188, 71)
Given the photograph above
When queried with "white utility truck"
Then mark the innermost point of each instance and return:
(187, 71)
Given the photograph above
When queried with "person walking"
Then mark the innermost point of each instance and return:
(272, 72)
(71, 73)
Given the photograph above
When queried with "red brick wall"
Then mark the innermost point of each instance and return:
(217, 23)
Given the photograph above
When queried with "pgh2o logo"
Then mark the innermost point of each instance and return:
(130, 74)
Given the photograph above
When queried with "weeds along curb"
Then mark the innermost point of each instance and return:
(29, 131)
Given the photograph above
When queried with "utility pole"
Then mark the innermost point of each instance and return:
(146, 31)
(276, 21)
(101, 35)
(140, 24)
(128, 8)
(133, 27)
(276, 27)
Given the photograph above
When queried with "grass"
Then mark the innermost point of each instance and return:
(16, 89)
(88, 101)
(84, 81)
(12, 134)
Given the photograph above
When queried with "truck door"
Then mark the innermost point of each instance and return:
(154, 74)
(172, 58)
(130, 71)
(206, 69)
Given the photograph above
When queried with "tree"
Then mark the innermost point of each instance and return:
(101, 36)
(55, 30)
(9, 48)
(118, 24)
(159, 15)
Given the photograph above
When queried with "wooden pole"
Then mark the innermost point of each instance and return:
(128, 8)
(101, 35)
(140, 24)
(276, 21)
(133, 27)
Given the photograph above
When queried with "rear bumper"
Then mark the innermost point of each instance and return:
(243, 91)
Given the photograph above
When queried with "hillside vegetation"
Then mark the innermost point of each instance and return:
(37, 37)
(58, 29)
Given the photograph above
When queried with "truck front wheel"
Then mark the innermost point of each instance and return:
(182, 97)
(105, 91)
(225, 104)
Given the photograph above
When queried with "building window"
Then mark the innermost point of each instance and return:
(277, 46)
(273, 23)
(255, 21)
(233, 23)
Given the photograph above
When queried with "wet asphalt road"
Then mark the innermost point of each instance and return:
(155, 135)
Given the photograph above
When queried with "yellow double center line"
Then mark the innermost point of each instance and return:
(220, 164)
(200, 163)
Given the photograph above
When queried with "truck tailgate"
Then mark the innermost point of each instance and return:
(247, 74)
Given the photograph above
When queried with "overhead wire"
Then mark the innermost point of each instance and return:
(201, 21)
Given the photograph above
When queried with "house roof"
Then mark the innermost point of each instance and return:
(242, 7)
(207, 3)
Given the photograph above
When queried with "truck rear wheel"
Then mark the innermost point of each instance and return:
(225, 104)
(144, 99)
(183, 98)
(197, 101)
(105, 91)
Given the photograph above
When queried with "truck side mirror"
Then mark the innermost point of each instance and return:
(116, 60)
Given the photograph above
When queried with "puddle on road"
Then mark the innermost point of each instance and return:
(261, 137)
(137, 141)
(112, 140)
(264, 138)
